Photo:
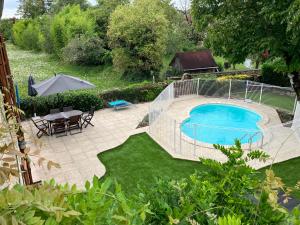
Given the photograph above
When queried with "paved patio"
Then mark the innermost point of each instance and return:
(77, 154)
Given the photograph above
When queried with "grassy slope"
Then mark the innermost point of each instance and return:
(240, 66)
(140, 160)
(42, 66)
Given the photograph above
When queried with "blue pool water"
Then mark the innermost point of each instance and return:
(221, 124)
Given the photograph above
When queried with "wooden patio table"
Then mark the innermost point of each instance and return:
(61, 115)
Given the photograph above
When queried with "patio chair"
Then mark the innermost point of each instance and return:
(87, 117)
(67, 109)
(41, 125)
(59, 127)
(74, 123)
(53, 111)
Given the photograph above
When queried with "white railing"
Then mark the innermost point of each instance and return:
(167, 131)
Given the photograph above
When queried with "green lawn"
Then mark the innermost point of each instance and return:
(285, 102)
(221, 60)
(289, 172)
(139, 160)
(42, 66)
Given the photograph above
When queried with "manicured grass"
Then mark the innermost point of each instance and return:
(43, 66)
(140, 160)
(269, 98)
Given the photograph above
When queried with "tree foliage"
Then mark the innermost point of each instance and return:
(138, 37)
(86, 50)
(237, 29)
(33, 8)
(57, 5)
(69, 23)
(6, 28)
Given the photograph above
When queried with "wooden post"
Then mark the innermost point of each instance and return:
(7, 88)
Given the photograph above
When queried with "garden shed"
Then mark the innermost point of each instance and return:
(194, 62)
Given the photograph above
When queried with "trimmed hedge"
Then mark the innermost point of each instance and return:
(84, 99)
(271, 76)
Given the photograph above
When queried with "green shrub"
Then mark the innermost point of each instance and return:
(134, 93)
(86, 50)
(271, 75)
(6, 26)
(26, 34)
(17, 32)
(81, 100)
(69, 23)
(84, 99)
(220, 66)
(44, 38)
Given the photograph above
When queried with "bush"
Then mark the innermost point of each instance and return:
(271, 75)
(138, 38)
(84, 99)
(220, 66)
(134, 93)
(6, 26)
(44, 38)
(69, 23)
(26, 34)
(81, 100)
(86, 51)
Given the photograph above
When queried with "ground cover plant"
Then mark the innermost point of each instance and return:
(223, 194)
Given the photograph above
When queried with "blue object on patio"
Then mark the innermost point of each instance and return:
(118, 104)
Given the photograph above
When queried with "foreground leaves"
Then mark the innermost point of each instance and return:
(101, 203)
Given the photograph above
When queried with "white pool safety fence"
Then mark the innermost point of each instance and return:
(166, 130)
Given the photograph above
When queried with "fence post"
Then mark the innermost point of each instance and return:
(246, 90)
(229, 93)
(180, 138)
(295, 104)
(198, 81)
(195, 139)
(261, 90)
(174, 138)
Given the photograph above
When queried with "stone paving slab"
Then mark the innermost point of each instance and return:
(77, 154)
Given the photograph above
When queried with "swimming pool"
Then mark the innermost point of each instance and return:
(222, 124)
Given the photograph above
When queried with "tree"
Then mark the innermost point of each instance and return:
(138, 37)
(1, 7)
(57, 5)
(69, 23)
(102, 12)
(237, 29)
(33, 8)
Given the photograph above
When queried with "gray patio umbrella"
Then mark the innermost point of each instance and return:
(60, 83)
(31, 90)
